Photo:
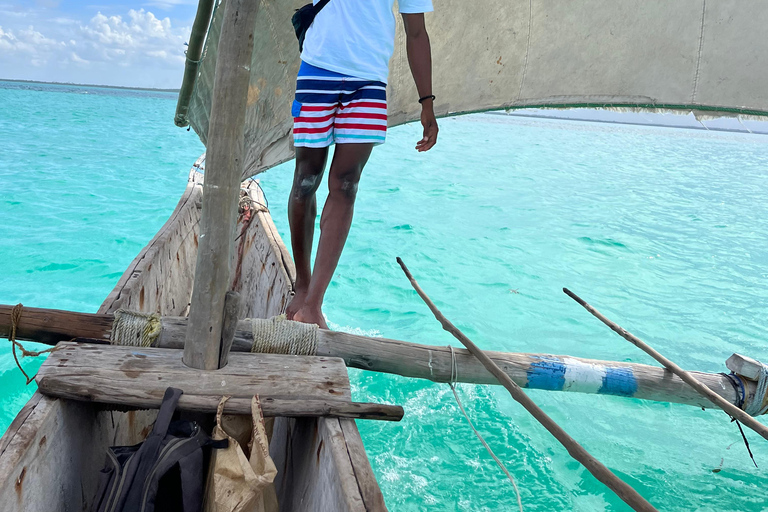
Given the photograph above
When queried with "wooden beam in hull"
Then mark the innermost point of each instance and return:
(133, 377)
(535, 371)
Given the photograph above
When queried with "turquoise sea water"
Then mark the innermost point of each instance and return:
(662, 230)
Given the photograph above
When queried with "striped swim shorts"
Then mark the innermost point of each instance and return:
(334, 108)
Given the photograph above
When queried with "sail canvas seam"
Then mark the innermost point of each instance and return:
(527, 50)
(701, 46)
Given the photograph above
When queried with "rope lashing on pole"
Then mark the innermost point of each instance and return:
(135, 329)
(277, 335)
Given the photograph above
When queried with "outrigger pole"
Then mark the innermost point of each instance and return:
(733, 411)
(430, 362)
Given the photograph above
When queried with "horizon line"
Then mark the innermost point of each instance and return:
(89, 85)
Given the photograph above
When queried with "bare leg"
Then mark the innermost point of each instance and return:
(302, 212)
(343, 178)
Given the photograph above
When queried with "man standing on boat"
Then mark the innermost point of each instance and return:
(341, 99)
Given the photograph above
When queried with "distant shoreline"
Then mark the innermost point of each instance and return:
(554, 117)
(89, 85)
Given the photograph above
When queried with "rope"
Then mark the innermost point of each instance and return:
(277, 335)
(15, 319)
(135, 329)
(452, 383)
(758, 404)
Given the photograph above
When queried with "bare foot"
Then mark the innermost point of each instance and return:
(310, 315)
(297, 302)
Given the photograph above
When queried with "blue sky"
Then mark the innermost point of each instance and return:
(110, 42)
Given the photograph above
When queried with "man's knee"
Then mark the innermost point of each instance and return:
(305, 184)
(344, 184)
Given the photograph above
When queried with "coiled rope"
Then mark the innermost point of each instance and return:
(277, 335)
(758, 404)
(452, 383)
(135, 329)
(15, 318)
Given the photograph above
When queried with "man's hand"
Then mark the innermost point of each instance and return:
(420, 59)
(429, 123)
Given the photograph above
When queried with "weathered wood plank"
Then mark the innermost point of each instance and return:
(291, 386)
(366, 480)
(18, 421)
(315, 472)
(146, 373)
(224, 167)
(159, 279)
(53, 325)
(77, 389)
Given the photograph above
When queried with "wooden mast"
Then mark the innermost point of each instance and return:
(224, 163)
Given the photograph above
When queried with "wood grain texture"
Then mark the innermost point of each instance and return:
(108, 372)
(228, 326)
(314, 469)
(262, 270)
(50, 326)
(221, 196)
(159, 279)
(370, 493)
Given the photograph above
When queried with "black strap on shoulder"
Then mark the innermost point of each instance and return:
(319, 5)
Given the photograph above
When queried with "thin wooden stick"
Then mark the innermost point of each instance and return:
(624, 491)
(689, 379)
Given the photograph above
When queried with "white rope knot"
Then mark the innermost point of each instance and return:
(135, 329)
(758, 404)
(277, 335)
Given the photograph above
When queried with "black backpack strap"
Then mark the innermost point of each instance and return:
(146, 457)
(192, 473)
(165, 415)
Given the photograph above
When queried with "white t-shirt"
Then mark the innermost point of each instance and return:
(356, 37)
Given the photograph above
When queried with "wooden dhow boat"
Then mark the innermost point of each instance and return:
(699, 55)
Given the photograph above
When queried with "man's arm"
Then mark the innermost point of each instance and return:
(420, 60)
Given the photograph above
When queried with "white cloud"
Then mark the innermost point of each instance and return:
(167, 5)
(136, 49)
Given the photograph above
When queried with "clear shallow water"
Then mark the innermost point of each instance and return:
(662, 230)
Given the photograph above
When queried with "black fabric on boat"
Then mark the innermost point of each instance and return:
(166, 472)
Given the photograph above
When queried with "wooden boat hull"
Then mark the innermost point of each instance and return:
(50, 455)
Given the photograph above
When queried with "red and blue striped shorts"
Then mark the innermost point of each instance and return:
(334, 108)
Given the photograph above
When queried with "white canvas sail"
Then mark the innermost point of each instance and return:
(709, 56)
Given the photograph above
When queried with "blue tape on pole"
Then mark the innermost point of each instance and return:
(546, 374)
(619, 381)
